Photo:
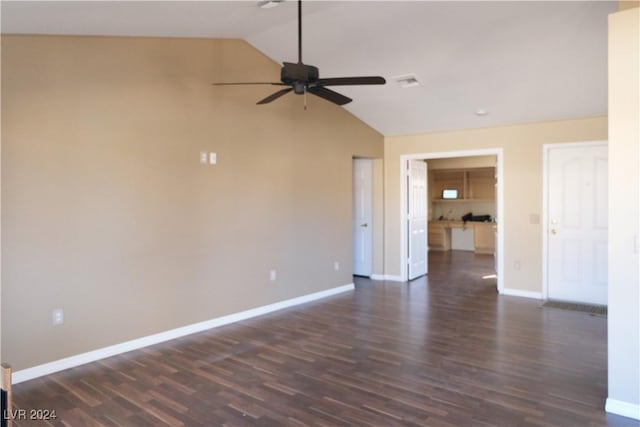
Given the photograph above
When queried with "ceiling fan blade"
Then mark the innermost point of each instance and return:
(248, 83)
(329, 95)
(274, 96)
(352, 81)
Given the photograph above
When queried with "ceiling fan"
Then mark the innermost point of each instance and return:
(302, 78)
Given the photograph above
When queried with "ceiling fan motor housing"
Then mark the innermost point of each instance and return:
(298, 75)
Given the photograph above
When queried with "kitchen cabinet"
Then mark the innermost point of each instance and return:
(439, 236)
(476, 184)
(483, 235)
(484, 238)
(481, 184)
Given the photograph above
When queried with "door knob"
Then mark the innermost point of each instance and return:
(553, 231)
(364, 225)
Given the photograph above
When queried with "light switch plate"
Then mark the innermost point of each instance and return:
(57, 317)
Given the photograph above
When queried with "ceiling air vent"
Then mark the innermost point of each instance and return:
(268, 4)
(407, 80)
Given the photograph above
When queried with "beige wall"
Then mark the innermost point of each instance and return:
(628, 4)
(378, 217)
(108, 214)
(1, 209)
(462, 162)
(522, 145)
(624, 211)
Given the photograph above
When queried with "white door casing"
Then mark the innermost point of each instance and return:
(362, 215)
(417, 218)
(495, 225)
(577, 223)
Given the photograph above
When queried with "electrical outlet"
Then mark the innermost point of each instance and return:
(336, 266)
(57, 317)
(213, 158)
(516, 265)
(204, 158)
(272, 275)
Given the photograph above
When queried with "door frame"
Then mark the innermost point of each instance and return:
(546, 151)
(499, 153)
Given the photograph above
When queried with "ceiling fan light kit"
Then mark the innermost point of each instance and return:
(302, 78)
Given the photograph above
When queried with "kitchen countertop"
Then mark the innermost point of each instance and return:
(458, 223)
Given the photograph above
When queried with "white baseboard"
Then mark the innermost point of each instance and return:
(520, 293)
(625, 409)
(101, 353)
(388, 277)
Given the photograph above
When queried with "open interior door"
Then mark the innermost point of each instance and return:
(417, 218)
(362, 215)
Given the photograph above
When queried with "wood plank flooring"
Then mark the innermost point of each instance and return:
(440, 351)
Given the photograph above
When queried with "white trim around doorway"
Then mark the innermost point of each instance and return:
(498, 152)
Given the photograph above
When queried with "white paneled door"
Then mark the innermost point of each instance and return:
(362, 208)
(577, 223)
(417, 218)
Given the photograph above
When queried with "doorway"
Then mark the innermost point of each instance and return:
(576, 222)
(499, 205)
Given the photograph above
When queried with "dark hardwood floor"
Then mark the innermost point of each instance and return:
(440, 351)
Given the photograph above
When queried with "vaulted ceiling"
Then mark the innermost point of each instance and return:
(518, 61)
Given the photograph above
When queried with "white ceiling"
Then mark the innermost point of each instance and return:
(521, 61)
